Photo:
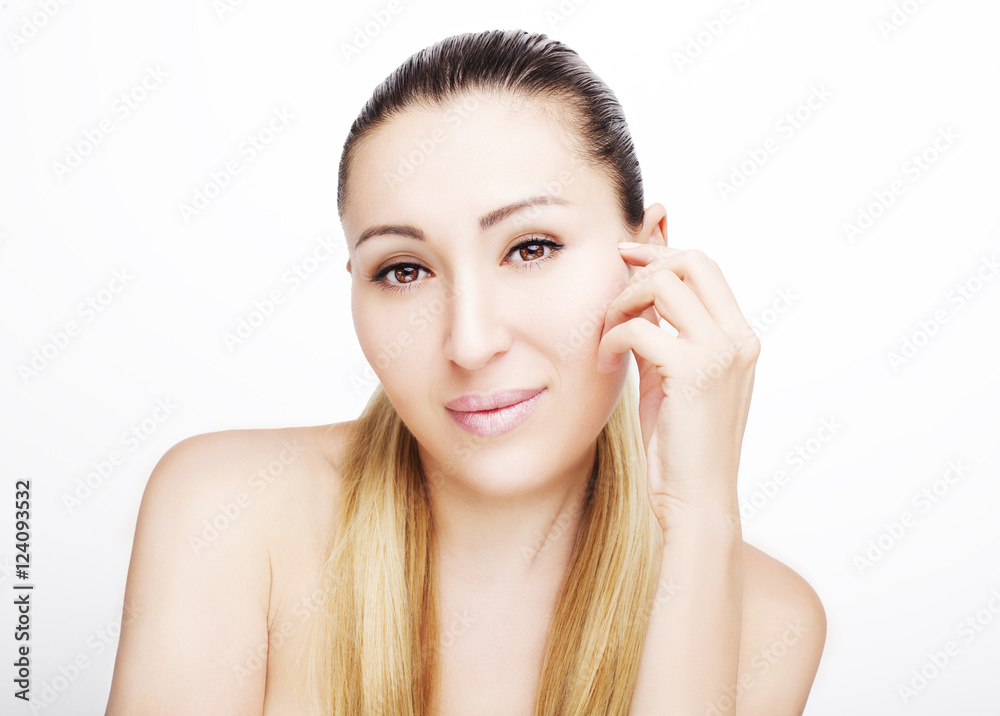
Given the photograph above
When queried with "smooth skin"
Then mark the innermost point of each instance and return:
(195, 625)
(218, 627)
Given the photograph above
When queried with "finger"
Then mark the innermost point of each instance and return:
(673, 300)
(648, 341)
(637, 255)
(703, 276)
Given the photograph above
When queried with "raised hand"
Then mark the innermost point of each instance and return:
(695, 387)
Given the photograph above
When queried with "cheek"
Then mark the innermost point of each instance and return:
(386, 335)
(580, 300)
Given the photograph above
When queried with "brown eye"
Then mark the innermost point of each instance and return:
(530, 252)
(405, 274)
(398, 277)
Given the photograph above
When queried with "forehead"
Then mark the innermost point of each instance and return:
(464, 159)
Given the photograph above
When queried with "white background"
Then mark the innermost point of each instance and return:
(826, 354)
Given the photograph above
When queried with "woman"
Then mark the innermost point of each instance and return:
(507, 528)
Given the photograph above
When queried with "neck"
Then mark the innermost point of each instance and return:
(507, 540)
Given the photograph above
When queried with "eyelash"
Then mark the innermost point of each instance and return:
(379, 278)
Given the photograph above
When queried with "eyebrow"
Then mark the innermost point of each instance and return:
(486, 221)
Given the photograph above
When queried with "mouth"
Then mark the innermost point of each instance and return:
(496, 413)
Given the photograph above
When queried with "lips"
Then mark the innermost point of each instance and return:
(500, 399)
(496, 413)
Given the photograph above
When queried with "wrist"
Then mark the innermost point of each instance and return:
(703, 526)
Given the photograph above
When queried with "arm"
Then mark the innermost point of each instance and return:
(197, 609)
(780, 638)
(694, 399)
(695, 391)
(720, 644)
(689, 658)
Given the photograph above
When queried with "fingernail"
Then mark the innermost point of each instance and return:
(628, 245)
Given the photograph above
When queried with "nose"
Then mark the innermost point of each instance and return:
(477, 327)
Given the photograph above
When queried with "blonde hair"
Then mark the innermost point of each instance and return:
(373, 644)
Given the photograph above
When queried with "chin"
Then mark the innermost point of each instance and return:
(510, 471)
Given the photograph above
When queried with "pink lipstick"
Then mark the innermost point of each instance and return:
(496, 413)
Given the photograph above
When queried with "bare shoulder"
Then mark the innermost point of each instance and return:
(217, 510)
(267, 468)
(257, 458)
(784, 630)
(241, 487)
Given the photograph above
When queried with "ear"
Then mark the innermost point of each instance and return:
(654, 226)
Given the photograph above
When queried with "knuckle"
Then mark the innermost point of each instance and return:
(663, 279)
(651, 269)
(697, 256)
(751, 348)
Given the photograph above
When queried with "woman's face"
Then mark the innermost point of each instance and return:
(496, 296)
